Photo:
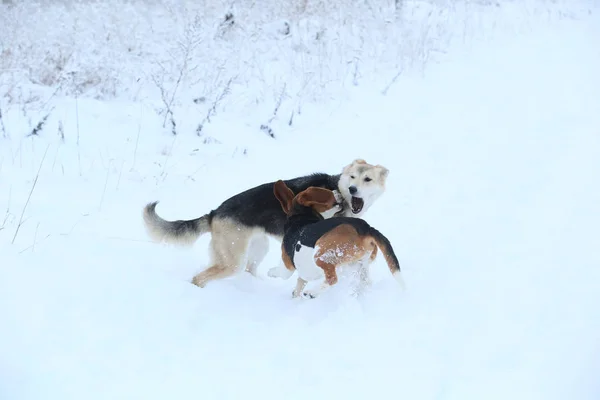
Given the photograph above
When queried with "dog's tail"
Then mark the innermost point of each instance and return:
(388, 253)
(180, 232)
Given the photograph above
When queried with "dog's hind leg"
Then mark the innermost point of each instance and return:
(257, 250)
(364, 278)
(364, 267)
(331, 279)
(364, 270)
(229, 251)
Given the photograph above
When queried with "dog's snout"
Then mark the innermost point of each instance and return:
(352, 189)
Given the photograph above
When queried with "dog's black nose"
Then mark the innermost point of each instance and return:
(352, 189)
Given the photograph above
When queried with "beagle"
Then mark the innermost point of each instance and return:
(317, 247)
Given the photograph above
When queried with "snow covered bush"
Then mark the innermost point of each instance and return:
(191, 60)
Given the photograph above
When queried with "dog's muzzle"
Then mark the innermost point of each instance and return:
(356, 204)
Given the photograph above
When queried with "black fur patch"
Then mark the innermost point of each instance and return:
(258, 207)
(307, 230)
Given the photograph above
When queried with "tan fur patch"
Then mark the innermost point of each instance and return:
(374, 253)
(286, 260)
(329, 270)
(229, 247)
(341, 245)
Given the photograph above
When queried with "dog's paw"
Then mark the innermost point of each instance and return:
(307, 294)
(198, 282)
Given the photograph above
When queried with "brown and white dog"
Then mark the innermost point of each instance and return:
(317, 247)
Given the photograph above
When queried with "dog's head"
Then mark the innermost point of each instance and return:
(360, 185)
(314, 199)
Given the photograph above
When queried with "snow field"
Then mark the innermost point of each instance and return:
(491, 207)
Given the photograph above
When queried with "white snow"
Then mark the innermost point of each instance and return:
(491, 134)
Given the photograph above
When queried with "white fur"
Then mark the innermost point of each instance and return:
(280, 271)
(305, 264)
(363, 271)
(315, 292)
(257, 250)
(309, 271)
(355, 175)
(300, 285)
(332, 211)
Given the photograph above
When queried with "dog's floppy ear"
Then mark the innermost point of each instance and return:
(284, 194)
(319, 199)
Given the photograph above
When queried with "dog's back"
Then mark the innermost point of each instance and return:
(309, 233)
(257, 207)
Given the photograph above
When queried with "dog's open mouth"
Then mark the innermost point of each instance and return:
(357, 204)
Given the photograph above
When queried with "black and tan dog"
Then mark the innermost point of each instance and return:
(317, 247)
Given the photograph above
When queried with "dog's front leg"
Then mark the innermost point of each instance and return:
(330, 280)
(300, 285)
(313, 293)
(257, 250)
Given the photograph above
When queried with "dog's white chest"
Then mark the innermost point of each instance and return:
(305, 263)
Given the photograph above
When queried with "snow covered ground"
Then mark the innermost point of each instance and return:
(492, 138)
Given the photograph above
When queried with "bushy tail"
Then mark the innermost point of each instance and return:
(180, 232)
(388, 253)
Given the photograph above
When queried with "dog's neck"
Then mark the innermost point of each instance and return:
(302, 216)
(342, 211)
(344, 207)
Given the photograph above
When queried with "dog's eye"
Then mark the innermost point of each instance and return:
(367, 179)
(351, 176)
